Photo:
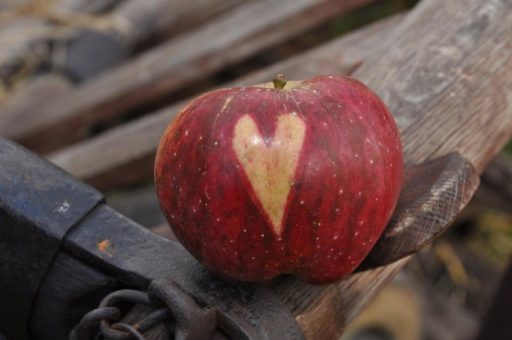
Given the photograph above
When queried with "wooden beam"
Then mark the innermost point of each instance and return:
(451, 89)
(24, 25)
(101, 160)
(137, 20)
(448, 81)
(132, 22)
(50, 87)
(238, 34)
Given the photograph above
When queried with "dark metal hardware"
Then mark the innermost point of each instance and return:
(85, 328)
(168, 302)
(69, 250)
(191, 321)
(39, 204)
(135, 256)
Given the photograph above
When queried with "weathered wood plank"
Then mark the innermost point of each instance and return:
(83, 6)
(50, 87)
(451, 89)
(242, 32)
(137, 20)
(101, 160)
(130, 23)
(18, 55)
(331, 308)
(25, 24)
(448, 82)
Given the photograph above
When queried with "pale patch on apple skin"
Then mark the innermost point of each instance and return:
(226, 103)
(270, 169)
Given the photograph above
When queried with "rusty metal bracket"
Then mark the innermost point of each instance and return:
(55, 230)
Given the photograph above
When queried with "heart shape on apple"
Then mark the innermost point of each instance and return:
(270, 169)
(298, 177)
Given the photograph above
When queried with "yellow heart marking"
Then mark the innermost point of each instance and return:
(270, 169)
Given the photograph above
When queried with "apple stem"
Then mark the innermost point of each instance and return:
(280, 81)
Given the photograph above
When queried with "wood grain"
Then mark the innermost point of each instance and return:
(244, 31)
(330, 308)
(451, 90)
(137, 20)
(131, 22)
(448, 83)
(102, 159)
(26, 32)
(18, 39)
(50, 87)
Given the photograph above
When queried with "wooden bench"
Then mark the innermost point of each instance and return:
(444, 69)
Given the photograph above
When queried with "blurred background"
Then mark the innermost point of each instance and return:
(91, 84)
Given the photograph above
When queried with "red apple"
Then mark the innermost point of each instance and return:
(298, 177)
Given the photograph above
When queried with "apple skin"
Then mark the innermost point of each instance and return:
(258, 181)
